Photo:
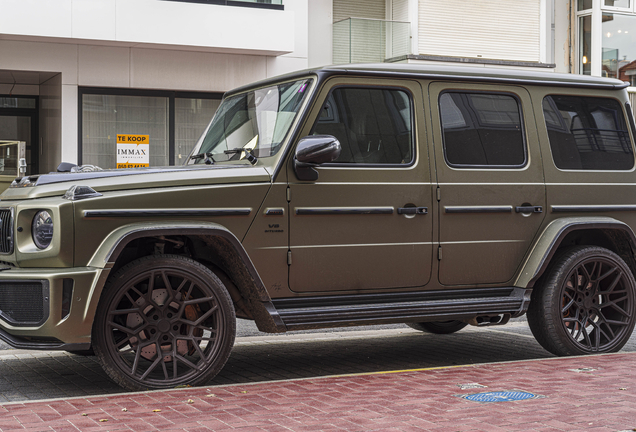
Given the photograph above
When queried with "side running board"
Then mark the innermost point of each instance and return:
(465, 304)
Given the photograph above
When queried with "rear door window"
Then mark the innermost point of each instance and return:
(482, 130)
(587, 133)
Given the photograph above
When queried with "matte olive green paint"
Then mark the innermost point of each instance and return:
(339, 254)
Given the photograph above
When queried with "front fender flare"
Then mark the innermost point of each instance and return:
(253, 288)
(552, 236)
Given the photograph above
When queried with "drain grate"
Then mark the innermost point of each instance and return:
(500, 396)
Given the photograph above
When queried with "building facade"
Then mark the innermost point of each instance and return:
(76, 73)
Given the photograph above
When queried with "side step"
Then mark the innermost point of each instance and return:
(465, 304)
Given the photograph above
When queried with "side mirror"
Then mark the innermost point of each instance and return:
(312, 151)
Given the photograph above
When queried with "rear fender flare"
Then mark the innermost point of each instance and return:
(551, 238)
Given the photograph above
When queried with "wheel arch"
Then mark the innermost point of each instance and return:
(211, 244)
(605, 232)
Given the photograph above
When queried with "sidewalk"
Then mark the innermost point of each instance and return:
(593, 393)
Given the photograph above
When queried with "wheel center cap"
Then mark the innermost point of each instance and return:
(163, 326)
(587, 303)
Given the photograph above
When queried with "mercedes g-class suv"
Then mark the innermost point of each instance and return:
(361, 194)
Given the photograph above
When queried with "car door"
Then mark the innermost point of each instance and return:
(364, 223)
(490, 174)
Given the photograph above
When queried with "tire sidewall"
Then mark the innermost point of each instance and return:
(133, 270)
(545, 313)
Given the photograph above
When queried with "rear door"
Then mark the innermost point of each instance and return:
(490, 174)
(364, 223)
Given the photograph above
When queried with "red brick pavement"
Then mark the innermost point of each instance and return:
(603, 399)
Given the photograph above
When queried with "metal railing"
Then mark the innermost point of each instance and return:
(362, 40)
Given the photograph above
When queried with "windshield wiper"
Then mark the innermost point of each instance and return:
(249, 153)
(207, 158)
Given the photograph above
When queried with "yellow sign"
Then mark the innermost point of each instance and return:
(133, 139)
(133, 151)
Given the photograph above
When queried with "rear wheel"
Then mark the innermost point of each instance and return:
(439, 327)
(163, 321)
(585, 304)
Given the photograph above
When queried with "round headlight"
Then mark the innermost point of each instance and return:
(42, 229)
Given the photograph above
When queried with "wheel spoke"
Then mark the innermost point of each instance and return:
(607, 273)
(189, 363)
(124, 329)
(154, 364)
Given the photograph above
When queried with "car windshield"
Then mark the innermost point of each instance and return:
(257, 121)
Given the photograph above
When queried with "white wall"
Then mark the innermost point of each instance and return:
(160, 24)
(320, 32)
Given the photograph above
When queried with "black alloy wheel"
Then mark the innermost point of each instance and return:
(438, 327)
(585, 304)
(163, 321)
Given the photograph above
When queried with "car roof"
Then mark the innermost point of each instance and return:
(459, 73)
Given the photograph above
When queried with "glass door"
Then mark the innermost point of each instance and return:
(19, 122)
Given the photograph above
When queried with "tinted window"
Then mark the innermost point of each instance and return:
(587, 133)
(482, 129)
(373, 125)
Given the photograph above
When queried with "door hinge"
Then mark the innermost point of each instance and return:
(439, 253)
(288, 194)
(439, 194)
(289, 257)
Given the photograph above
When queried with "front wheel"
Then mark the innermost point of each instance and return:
(585, 304)
(163, 321)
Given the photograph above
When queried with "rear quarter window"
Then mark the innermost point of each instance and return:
(587, 133)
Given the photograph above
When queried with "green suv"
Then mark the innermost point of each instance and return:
(364, 194)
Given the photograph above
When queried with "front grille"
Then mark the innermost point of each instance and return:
(24, 303)
(6, 231)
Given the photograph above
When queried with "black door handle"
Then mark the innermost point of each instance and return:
(529, 209)
(413, 210)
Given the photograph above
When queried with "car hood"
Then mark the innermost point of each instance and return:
(56, 184)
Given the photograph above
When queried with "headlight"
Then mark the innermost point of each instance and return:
(42, 229)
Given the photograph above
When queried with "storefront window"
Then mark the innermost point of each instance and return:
(172, 122)
(192, 116)
(105, 116)
(585, 45)
(619, 47)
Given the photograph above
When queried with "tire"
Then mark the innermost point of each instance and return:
(438, 327)
(584, 304)
(166, 304)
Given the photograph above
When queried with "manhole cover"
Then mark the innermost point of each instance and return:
(500, 396)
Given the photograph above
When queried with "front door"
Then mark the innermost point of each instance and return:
(364, 224)
(492, 192)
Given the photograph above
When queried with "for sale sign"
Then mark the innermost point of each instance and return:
(133, 151)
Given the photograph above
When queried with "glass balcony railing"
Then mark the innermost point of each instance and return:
(360, 40)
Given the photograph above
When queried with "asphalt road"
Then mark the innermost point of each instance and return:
(257, 357)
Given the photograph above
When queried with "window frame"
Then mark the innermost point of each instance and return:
(618, 8)
(374, 165)
(526, 159)
(170, 95)
(628, 124)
